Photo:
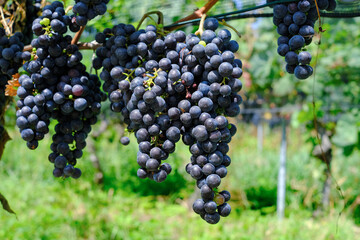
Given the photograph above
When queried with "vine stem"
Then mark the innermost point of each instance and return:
(78, 35)
(197, 13)
(8, 31)
(146, 15)
(229, 26)
(89, 45)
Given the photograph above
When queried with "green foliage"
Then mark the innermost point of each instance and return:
(126, 207)
(123, 207)
(334, 87)
(262, 196)
(346, 131)
(121, 174)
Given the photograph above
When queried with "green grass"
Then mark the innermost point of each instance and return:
(126, 207)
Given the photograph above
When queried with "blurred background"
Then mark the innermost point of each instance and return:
(322, 198)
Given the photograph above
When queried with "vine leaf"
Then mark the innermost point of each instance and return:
(346, 131)
(5, 204)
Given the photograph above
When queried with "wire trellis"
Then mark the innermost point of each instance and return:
(261, 8)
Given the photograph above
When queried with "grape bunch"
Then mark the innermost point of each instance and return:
(136, 88)
(53, 18)
(10, 62)
(295, 23)
(33, 8)
(86, 10)
(11, 53)
(10, 59)
(176, 87)
(57, 86)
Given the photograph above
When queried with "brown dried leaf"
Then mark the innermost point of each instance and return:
(13, 84)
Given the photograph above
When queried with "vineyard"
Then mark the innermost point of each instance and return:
(224, 119)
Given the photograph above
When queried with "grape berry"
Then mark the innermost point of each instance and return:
(86, 10)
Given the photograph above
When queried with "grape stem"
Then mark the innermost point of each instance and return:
(68, 9)
(188, 94)
(78, 35)
(201, 25)
(129, 75)
(150, 82)
(318, 12)
(197, 13)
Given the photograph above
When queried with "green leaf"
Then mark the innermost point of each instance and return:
(5, 204)
(347, 151)
(307, 113)
(346, 131)
(283, 87)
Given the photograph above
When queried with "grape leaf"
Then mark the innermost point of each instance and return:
(5, 204)
(284, 86)
(346, 131)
